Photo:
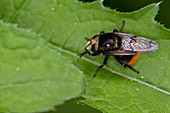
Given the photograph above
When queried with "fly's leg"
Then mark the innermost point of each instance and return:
(104, 63)
(115, 30)
(102, 33)
(87, 52)
(123, 24)
(130, 67)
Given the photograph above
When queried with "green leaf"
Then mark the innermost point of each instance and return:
(33, 77)
(64, 24)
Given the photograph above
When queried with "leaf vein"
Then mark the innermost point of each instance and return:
(68, 36)
(16, 13)
(109, 69)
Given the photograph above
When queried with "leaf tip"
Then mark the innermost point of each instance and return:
(159, 2)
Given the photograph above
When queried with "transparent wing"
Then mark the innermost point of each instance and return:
(132, 45)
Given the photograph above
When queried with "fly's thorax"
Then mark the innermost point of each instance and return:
(93, 44)
(110, 42)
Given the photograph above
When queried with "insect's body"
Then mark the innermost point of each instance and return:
(124, 47)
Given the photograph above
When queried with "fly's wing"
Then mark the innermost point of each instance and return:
(133, 45)
(120, 52)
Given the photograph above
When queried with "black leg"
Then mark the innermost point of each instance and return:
(115, 30)
(102, 33)
(130, 67)
(123, 24)
(104, 63)
(87, 52)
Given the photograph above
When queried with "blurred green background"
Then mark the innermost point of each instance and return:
(163, 17)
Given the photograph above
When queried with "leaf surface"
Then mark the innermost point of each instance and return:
(64, 24)
(32, 75)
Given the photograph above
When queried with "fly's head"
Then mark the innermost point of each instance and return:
(93, 44)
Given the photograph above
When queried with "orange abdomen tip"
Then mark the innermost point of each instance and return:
(133, 60)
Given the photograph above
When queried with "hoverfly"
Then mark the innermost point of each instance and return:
(126, 48)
